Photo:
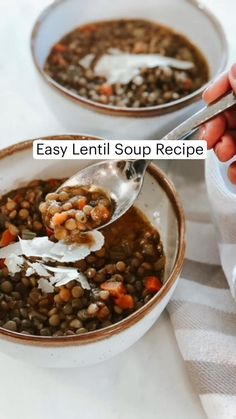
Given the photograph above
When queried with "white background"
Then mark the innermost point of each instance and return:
(147, 381)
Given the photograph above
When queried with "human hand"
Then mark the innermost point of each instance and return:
(220, 132)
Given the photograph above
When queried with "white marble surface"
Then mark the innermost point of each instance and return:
(149, 380)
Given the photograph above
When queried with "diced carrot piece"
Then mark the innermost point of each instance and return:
(59, 218)
(57, 59)
(82, 202)
(103, 313)
(115, 288)
(7, 238)
(18, 198)
(187, 84)
(153, 284)
(2, 263)
(88, 28)
(125, 301)
(60, 47)
(106, 90)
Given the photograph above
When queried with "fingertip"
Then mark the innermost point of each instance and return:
(202, 132)
(233, 71)
(232, 173)
(206, 96)
(225, 149)
(232, 77)
(217, 88)
(214, 130)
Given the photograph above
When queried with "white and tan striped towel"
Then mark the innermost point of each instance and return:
(203, 314)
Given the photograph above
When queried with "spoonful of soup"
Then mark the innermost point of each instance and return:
(101, 193)
(74, 209)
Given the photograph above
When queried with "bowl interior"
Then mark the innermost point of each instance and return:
(19, 168)
(185, 16)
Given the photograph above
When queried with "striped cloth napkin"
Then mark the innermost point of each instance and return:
(203, 310)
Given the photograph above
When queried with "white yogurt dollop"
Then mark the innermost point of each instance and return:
(119, 67)
(17, 256)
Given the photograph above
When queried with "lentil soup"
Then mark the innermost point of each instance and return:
(72, 210)
(152, 87)
(123, 275)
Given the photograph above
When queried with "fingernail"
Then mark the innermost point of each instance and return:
(232, 173)
(233, 71)
(209, 86)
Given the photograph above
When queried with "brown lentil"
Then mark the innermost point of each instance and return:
(92, 309)
(75, 324)
(54, 320)
(77, 291)
(23, 214)
(6, 287)
(120, 266)
(10, 205)
(90, 273)
(57, 299)
(25, 204)
(104, 295)
(10, 325)
(12, 214)
(67, 308)
(81, 330)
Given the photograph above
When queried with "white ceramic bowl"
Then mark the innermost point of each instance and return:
(158, 196)
(79, 114)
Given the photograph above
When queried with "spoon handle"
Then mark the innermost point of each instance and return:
(140, 166)
(199, 118)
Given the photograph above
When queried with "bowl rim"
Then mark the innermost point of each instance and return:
(128, 112)
(114, 329)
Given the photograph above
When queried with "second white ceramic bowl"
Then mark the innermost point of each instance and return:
(188, 17)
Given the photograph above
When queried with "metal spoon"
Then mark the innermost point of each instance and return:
(123, 179)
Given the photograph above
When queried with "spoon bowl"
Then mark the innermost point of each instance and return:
(120, 179)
